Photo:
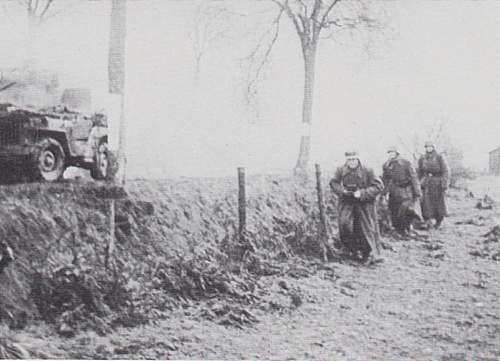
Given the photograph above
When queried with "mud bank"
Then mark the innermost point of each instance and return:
(176, 241)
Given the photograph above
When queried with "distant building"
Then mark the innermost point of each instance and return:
(495, 161)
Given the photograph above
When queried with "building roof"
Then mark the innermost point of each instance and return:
(495, 150)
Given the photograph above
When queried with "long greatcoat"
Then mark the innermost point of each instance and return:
(401, 182)
(434, 177)
(358, 226)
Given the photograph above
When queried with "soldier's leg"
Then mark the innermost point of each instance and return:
(439, 220)
(393, 210)
(426, 207)
(406, 220)
(359, 239)
(346, 227)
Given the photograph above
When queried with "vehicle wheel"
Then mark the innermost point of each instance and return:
(100, 168)
(48, 161)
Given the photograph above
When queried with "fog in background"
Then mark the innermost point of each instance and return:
(433, 61)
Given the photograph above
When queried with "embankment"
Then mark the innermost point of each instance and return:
(176, 241)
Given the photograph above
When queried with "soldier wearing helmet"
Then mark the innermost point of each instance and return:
(402, 186)
(357, 188)
(434, 176)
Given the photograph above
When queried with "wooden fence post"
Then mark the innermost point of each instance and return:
(111, 240)
(242, 214)
(76, 237)
(321, 206)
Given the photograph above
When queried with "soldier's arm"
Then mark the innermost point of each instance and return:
(374, 188)
(445, 172)
(415, 184)
(385, 178)
(420, 171)
(336, 183)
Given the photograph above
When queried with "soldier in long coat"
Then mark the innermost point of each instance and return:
(434, 178)
(403, 187)
(357, 188)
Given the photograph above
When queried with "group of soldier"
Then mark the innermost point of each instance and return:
(416, 198)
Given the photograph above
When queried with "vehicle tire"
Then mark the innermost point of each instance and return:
(48, 161)
(101, 167)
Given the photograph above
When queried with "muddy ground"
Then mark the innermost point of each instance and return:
(435, 296)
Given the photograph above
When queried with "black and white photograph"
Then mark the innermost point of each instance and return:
(250, 180)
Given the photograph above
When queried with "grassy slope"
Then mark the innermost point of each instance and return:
(183, 249)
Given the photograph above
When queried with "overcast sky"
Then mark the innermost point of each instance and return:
(435, 60)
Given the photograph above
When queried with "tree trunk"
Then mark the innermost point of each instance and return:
(309, 53)
(31, 40)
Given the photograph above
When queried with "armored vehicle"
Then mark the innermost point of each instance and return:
(39, 144)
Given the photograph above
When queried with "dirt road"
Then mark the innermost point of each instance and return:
(435, 296)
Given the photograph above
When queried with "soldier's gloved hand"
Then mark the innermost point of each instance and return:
(347, 194)
(357, 194)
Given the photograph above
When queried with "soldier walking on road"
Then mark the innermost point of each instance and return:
(357, 188)
(403, 187)
(433, 175)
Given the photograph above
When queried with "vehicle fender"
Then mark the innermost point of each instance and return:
(61, 137)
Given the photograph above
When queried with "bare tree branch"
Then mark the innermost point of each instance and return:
(45, 9)
(304, 6)
(29, 5)
(5, 87)
(54, 14)
(328, 11)
(265, 59)
(286, 8)
(207, 28)
(413, 151)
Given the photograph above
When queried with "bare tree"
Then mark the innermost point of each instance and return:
(313, 20)
(211, 23)
(37, 13)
